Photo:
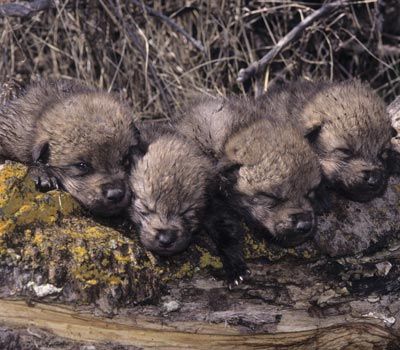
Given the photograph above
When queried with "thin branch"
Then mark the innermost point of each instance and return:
(258, 66)
(25, 9)
(196, 43)
(133, 36)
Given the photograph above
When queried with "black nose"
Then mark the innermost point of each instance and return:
(114, 191)
(115, 194)
(373, 178)
(302, 222)
(166, 238)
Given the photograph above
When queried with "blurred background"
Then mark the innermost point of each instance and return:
(137, 47)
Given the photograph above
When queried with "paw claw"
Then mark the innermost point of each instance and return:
(44, 182)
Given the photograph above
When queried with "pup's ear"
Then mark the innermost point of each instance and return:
(393, 131)
(41, 152)
(135, 132)
(226, 175)
(226, 167)
(139, 147)
(312, 129)
(137, 152)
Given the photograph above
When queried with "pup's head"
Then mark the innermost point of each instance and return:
(88, 142)
(276, 179)
(350, 130)
(170, 192)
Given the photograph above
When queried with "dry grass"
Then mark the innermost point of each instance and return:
(116, 46)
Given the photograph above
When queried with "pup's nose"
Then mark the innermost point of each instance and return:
(166, 238)
(373, 178)
(303, 226)
(302, 222)
(115, 194)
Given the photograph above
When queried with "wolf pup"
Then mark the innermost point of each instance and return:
(268, 175)
(347, 126)
(80, 139)
(170, 186)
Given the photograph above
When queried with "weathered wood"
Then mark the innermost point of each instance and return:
(66, 323)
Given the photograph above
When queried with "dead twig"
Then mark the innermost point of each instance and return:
(134, 37)
(258, 66)
(25, 9)
(196, 43)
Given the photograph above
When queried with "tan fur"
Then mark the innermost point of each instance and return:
(170, 187)
(275, 184)
(210, 121)
(276, 161)
(80, 125)
(352, 117)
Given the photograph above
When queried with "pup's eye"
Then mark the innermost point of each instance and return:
(268, 199)
(345, 152)
(83, 167)
(384, 154)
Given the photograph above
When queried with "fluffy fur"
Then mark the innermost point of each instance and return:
(348, 127)
(268, 174)
(82, 137)
(171, 186)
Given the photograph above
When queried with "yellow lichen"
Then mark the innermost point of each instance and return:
(207, 260)
(92, 282)
(79, 253)
(44, 232)
(186, 270)
(253, 248)
(6, 226)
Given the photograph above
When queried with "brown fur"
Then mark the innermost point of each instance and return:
(85, 137)
(277, 178)
(349, 128)
(278, 169)
(210, 121)
(170, 186)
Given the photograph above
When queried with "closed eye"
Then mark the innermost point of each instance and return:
(344, 152)
(269, 195)
(267, 199)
